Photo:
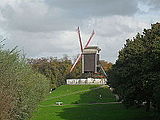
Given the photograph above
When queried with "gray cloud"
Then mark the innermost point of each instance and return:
(47, 15)
(86, 8)
(112, 32)
(48, 27)
(155, 3)
(34, 17)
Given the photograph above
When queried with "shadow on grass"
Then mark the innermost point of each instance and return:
(101, 112)
(101, 95)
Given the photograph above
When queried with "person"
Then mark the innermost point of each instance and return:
(52, 89)
(100, 96)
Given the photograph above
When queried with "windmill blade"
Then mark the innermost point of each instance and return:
(79, 57)
(80, 40)
(90, 39)
(77, 60)
(103, 70)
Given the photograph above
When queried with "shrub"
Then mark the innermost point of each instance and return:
(21, 88)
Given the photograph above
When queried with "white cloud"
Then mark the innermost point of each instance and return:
(43, 15)
(48, 28)
(45, 44)
(31, 17)
(112, 32)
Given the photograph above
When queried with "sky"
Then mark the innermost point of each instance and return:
(44, 28)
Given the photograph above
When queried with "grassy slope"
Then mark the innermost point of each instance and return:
(66, 89)
(92, 96)
(85, 112)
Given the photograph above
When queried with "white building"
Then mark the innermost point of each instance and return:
(88, 81)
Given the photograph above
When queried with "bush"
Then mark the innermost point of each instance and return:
(21, 88)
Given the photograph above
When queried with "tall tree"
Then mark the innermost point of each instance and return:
(136, 76)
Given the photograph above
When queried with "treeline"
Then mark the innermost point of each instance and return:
(58, 70)
(21, 88)
(135, 76)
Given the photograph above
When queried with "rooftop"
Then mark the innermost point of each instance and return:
(93, 47)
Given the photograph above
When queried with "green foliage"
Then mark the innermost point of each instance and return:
(136, 74)
(21, 89)
(56, 70)
(106, 65)
(77, 71)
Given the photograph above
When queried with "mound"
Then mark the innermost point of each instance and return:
(77, 94)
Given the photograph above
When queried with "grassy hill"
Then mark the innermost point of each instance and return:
(77, 105)
(71, 94)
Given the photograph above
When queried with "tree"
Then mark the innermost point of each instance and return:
(106, 65)
(136, 76)
(21, 88)
(56, 70)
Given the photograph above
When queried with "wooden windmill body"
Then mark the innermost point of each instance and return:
(90, 59)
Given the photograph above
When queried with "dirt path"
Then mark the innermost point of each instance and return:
(77, 92)
(82, 104)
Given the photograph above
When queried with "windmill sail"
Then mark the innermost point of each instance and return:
(79, 57)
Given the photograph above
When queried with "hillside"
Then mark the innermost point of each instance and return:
(85, 102)
(71, 94)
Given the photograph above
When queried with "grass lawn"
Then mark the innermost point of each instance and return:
(67, 89)
(91, 96)
(90, 112)
(46, 110)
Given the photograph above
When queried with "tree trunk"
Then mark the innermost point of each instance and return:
(148, 105)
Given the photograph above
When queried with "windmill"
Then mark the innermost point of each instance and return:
(81, 47)
(89, 56)
(91, 65)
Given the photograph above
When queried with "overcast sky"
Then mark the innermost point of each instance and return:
(43, 28)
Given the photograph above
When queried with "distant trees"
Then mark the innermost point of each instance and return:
(106, 65)
(136, 74)
(21, 88)
(56, 70)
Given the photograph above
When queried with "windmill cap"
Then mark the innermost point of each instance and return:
(91, 49)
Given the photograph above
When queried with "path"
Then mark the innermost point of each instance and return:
(82, 104)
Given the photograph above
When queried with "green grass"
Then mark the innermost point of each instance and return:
(47, 111)
(67, 89)
(90, 112)
(91, 96)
